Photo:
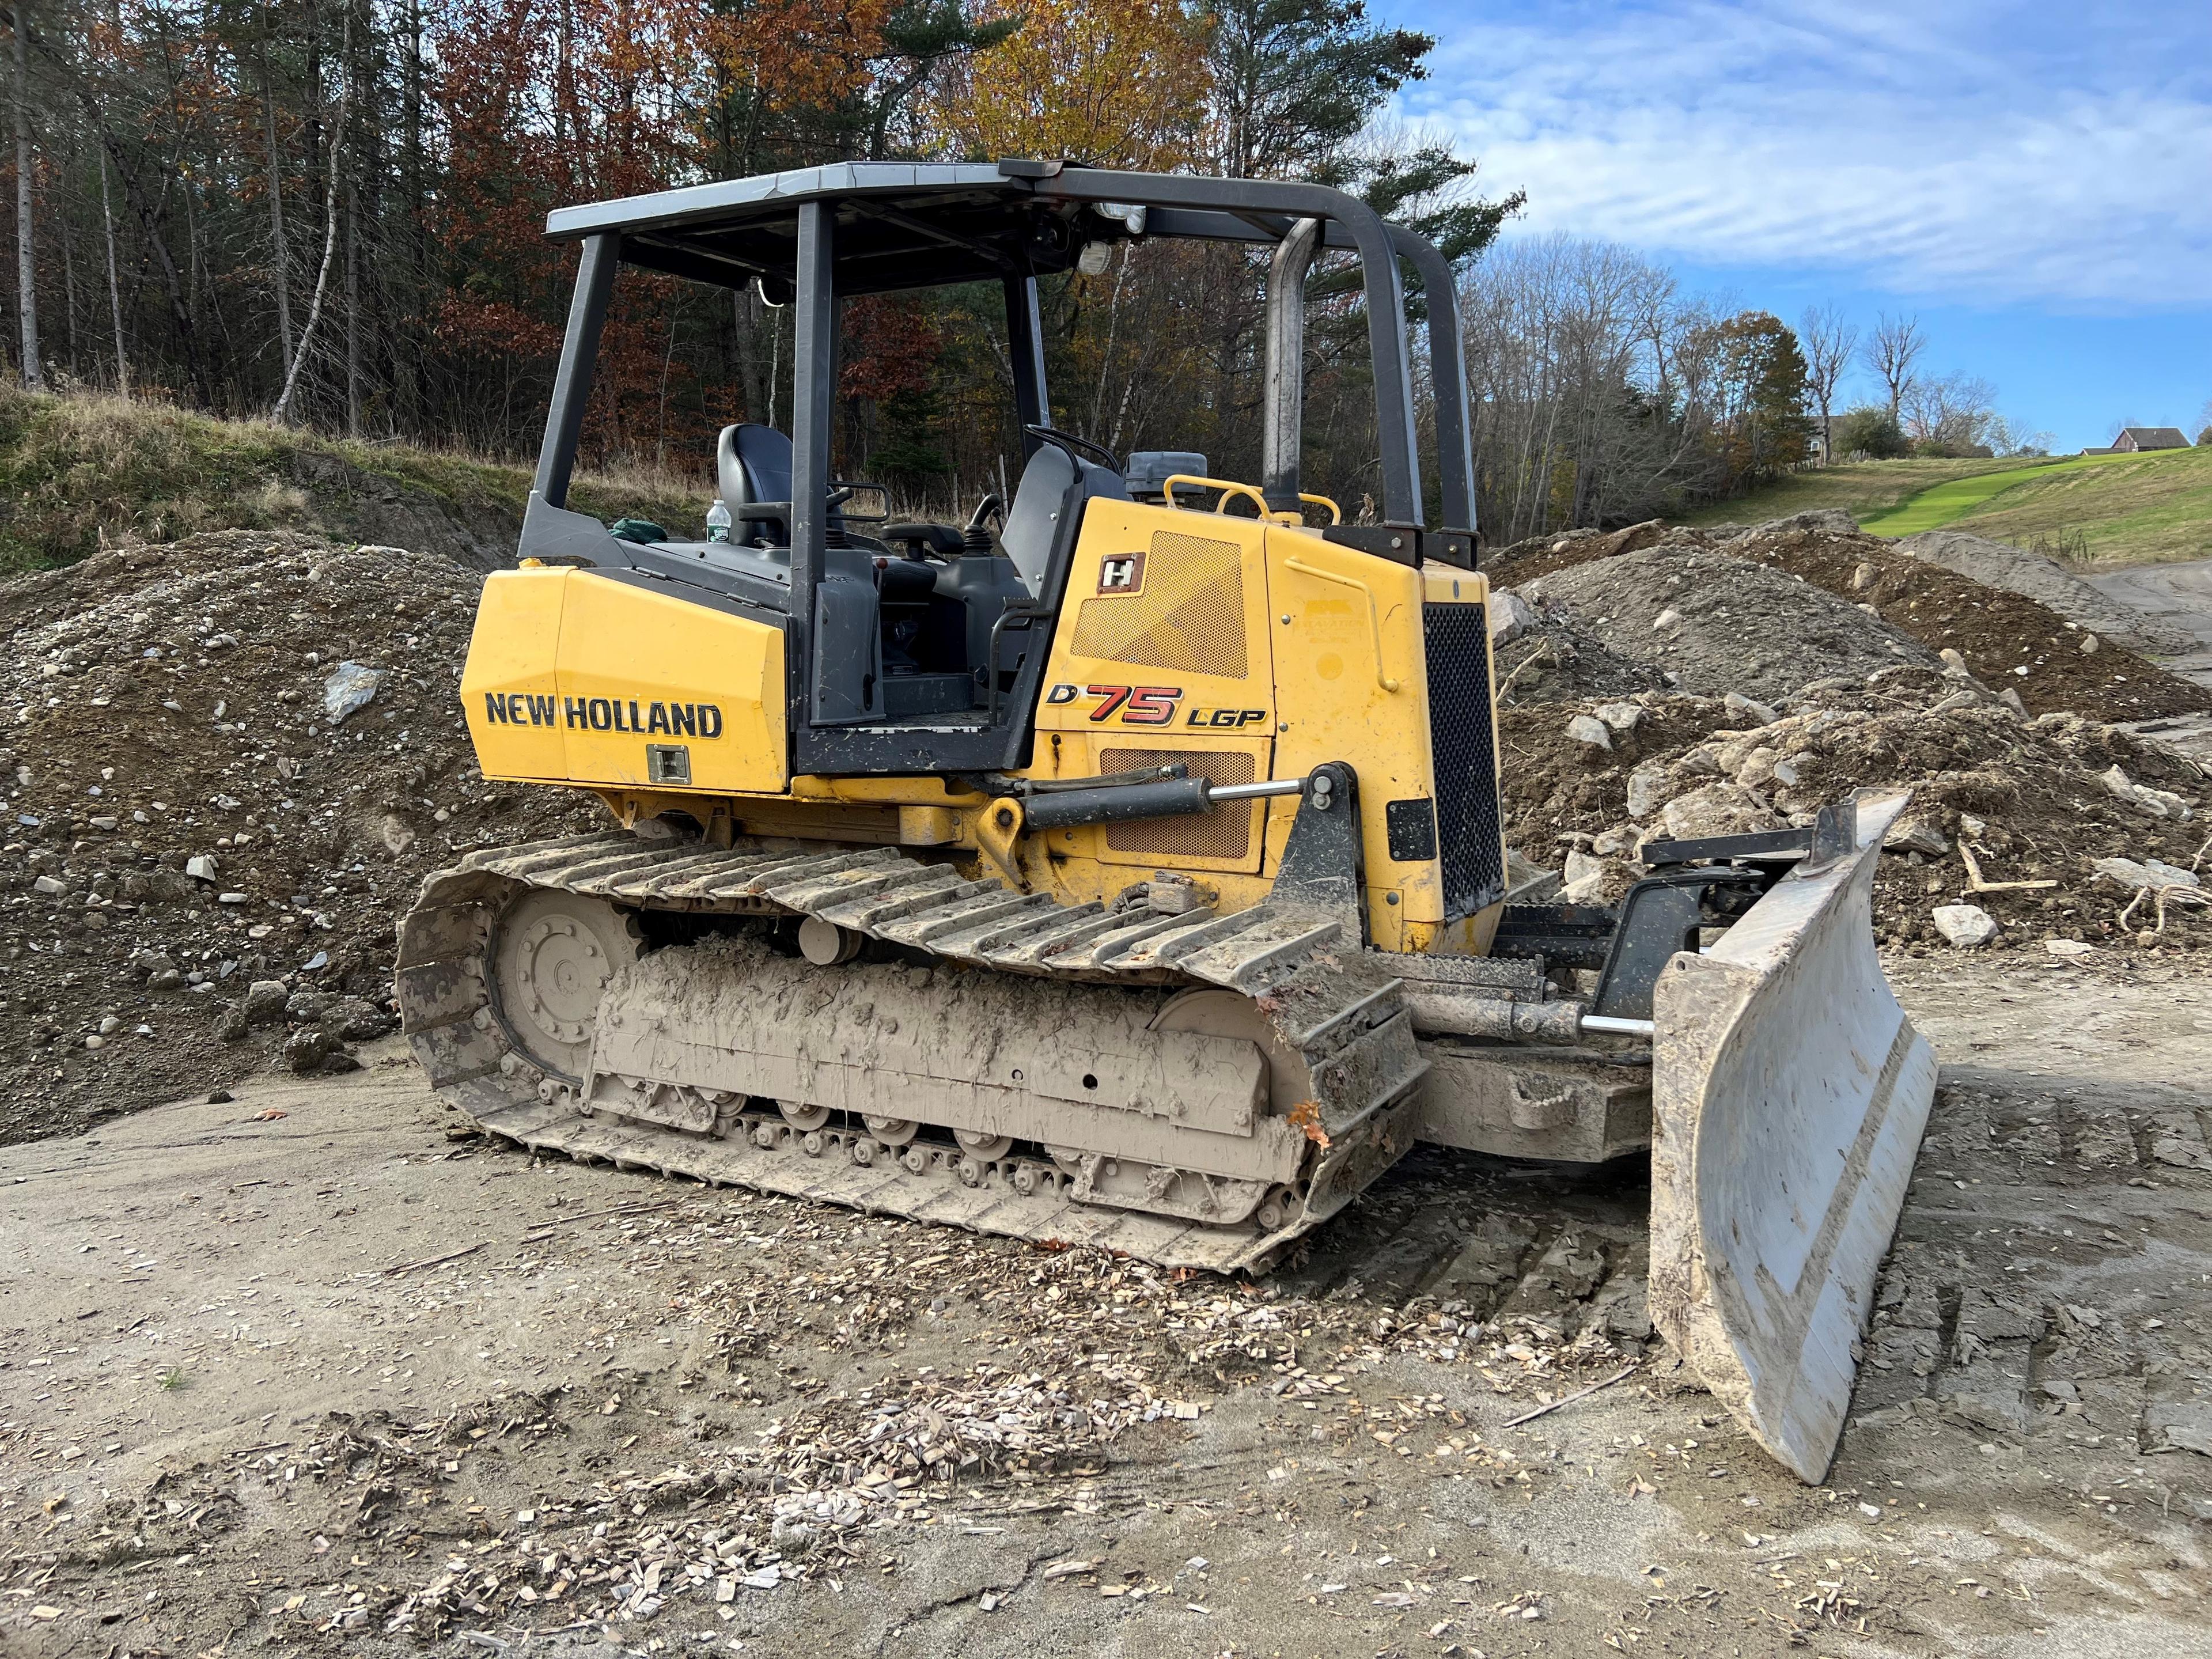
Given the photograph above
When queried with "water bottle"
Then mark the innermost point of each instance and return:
(718, 522)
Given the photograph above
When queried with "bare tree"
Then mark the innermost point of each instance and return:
(1896, 345)
(1829, 344)
(283, 412)
(1952, 413)
(26, 264)
(114, 292)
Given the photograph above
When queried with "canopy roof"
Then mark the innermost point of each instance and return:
(902, 225)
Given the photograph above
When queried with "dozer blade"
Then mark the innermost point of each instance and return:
(1789, 1094)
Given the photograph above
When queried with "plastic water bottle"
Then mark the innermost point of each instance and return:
(718, 521)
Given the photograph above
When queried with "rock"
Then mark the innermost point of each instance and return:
(2158, 803)
(232, 1025)
(1718, 809)
(1615, 842)
(50, 886)
(167, 979)
(1511, 616)
(1667, 618)
(1758, 711)
(1954, 666)
(2072, 948)
(2010, 699)
(1863, 577)
(2089, 645)
(1966, 925)
(1580, 866)
(103, 823)
(2154, 873)
(264, 1001)
(357, 1019)
(230, 898)
(1589, 730)
(201, 866)
(350, 688)
(397, 834)
(1649, 786)
(220, 1098)
(307, 1005)
(152, 961)
(310, 1048)
(1622, 718)
(1916, 835)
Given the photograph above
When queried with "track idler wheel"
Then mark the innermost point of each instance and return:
(552, 955)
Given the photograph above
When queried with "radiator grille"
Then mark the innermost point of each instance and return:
(1462, 746)
(1190, 616)
(1223, 833)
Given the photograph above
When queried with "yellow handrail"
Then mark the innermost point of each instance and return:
(1374, 612)
(1229, 487)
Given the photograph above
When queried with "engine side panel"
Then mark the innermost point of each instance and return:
(573, 677)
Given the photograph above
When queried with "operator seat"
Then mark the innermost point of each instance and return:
(1048, 505)
(752, 467)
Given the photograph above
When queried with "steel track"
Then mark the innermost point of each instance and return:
(1342, 1015)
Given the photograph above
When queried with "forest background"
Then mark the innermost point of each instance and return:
(330, 212)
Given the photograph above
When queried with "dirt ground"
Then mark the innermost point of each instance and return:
(310, 1369)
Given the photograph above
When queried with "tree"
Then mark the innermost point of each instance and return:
(1949, 415)
(1295, 81)
(1105, 84)
(1896, 345)
(26, 263)
(1762, 403)
(1829, 344)
(1872, 431)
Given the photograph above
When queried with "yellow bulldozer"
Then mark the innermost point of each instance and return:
(1122, 866)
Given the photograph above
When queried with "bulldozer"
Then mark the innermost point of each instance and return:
(1122, 866)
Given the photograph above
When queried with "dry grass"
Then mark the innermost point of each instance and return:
(83, 470)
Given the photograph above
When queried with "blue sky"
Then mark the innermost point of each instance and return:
(2034, 181)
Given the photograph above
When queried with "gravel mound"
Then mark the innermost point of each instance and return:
(2053, 662)
(1999, 564)
(1713, 623)
(204, 858)
(2035, 799)
(1555, 658)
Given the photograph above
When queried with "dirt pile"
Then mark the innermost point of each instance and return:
(2052, 662)
(2017, 570)
(1713, 624)
(2032, 799)
(1544, 654)
(206, 851)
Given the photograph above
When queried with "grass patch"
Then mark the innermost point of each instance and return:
(1945, 503)
(80, 472)
(2125, 509)
(1865, 489)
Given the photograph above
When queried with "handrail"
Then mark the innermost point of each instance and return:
(1229, 487)
(1374, 612)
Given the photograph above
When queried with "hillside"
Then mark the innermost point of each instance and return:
(1865, 489)
(78, 473)
(2130, 509)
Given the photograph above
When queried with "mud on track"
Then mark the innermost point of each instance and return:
(425, 1395)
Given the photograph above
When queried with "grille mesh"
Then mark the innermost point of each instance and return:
(1190, 617)
(1223, 833)
(1463, 745)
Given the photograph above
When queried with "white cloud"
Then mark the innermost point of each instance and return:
(1986, 153)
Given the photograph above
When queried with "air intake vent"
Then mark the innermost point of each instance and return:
(1187, 615)
(1463, 748)
(1223, 833)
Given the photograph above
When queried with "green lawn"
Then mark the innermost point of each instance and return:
(2130, 509)
(1865, 489)
(1935, 507)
